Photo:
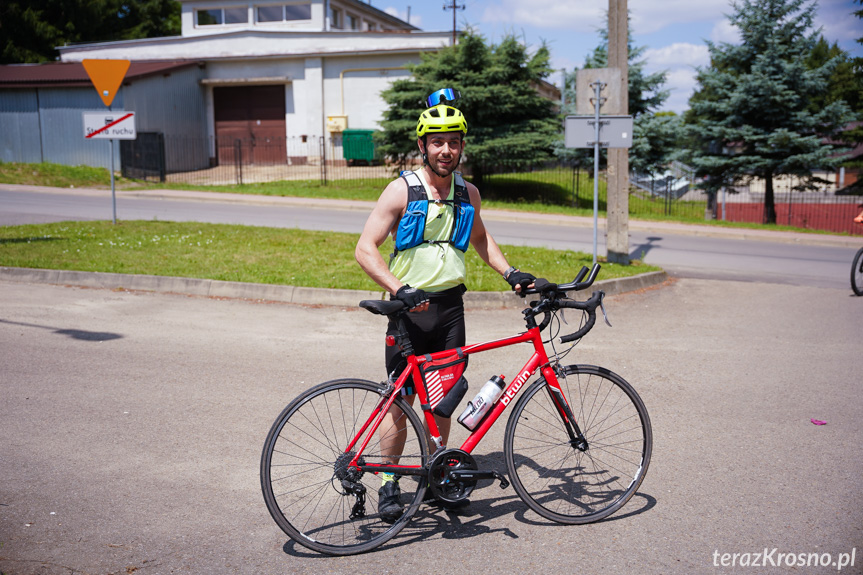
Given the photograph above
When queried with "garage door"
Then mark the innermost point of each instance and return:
(250, 122)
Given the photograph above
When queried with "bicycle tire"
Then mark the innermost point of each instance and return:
(298, 468)
(559, 481)
(857, 273)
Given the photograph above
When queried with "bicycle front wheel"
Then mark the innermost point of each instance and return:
(557, 479)
(311, 493)
(857, 273)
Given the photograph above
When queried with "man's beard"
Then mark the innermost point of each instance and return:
(444, 172)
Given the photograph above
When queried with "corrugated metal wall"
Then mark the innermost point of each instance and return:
(19, 126)
(62, 122)
(46, 124)
(174, 105)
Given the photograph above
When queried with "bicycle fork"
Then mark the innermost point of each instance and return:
(576, 438)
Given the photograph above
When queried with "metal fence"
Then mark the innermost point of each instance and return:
(246, 161)
(674, 193)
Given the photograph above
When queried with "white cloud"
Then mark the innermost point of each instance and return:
(576, 16)
(680, 82)
(724, 31)
(676, 55)
(415, 19)
(647, 16)
(679, 61)
(838, 24)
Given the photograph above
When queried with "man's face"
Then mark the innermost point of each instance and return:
(444, 151)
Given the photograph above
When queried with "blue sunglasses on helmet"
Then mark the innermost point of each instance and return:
(443, 96)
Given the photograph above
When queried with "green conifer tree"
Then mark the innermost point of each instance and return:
(510, 125)
(751, 115)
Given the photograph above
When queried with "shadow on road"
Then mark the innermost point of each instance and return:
(73, 333)
(480, 518)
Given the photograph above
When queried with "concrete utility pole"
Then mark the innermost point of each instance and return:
(454, 7)
(617, 240)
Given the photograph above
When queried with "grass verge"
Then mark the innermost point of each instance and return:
(246, 254)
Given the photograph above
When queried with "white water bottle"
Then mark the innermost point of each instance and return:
(480, 404)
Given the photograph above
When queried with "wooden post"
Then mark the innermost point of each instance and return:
(617, 223)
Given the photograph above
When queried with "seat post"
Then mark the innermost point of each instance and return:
(403, 339)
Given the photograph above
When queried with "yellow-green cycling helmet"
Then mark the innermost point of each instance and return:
(441, 118)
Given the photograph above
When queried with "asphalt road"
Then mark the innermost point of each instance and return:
(683, 251)
(132, 425)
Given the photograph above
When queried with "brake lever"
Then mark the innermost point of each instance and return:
(602, 307)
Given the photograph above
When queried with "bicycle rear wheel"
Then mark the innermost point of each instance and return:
(857, 273)
(560, 481)
(304, 463)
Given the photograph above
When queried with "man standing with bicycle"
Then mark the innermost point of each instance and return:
(431, 214)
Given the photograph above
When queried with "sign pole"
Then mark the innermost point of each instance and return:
(107, 77)
(113, 192)
(597, 104)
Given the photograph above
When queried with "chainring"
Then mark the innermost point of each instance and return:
(442, 486)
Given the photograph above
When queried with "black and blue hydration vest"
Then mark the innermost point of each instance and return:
(413, 224)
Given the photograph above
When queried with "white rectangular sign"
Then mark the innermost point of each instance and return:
(118, 125)
(614, 131)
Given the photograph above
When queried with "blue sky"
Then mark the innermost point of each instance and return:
(672, 31)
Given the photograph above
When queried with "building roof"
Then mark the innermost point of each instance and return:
(244, 44)
(72, 74)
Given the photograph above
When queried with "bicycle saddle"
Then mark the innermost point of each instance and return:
(382, 307)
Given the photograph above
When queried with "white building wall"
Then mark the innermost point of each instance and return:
(308, 97)
(339, 73)
(352, 87)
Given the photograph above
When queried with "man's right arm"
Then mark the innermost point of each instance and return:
(382, 219)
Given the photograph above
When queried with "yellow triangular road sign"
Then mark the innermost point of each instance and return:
(106, 75)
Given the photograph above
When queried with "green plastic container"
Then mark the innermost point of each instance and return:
(358, 146)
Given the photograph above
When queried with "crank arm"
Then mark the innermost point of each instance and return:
(476, 474)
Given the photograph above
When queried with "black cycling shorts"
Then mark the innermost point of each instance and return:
(438, 328)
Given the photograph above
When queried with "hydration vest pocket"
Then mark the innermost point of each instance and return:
(463, 226)
(412, 225)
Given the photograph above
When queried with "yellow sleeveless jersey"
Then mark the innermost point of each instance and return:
(432, 267)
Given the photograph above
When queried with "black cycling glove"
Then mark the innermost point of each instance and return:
(412, 297)
(517, 277)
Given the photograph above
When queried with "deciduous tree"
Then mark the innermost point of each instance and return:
(30, 30)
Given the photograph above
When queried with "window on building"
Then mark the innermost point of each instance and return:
(238, 15)
(372, 26)
(298, 12)
(335, 18)
(354, 22)
(219, 16)
(286, 12)
(270, 13)
(209, 17)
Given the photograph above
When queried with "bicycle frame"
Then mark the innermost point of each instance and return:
(538, 360)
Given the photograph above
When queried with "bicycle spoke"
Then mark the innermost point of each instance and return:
(311, 493)
(560, 481)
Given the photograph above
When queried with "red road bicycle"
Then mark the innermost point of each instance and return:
(577, 443)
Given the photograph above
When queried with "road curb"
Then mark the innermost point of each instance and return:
(279, 293)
